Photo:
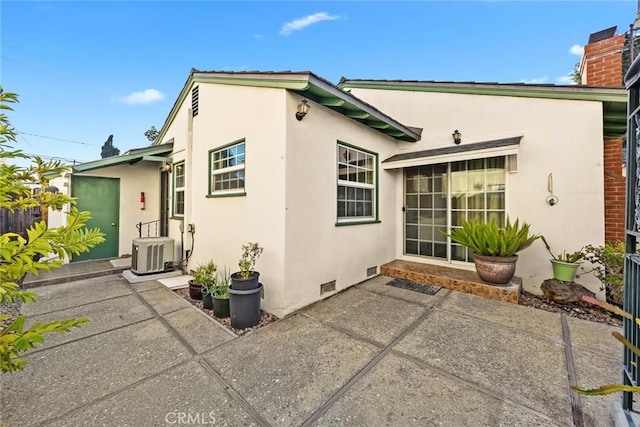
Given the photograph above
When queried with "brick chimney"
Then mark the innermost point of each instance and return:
(601, 65)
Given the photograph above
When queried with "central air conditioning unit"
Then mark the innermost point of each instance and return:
(151, 255)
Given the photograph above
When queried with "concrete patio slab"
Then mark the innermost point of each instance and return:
(338, 304)
(177, 282)
(526, 319)
(121, 262)
(398, 392)
(290, 368)
(182, 392)
(502, 360)
(594, 370)
(103, 315)
(66, 295)
(64, 378)
(595, 337)
(146, 286)
(163, 300)
(197, 329)
(131, 277)
(379, 319)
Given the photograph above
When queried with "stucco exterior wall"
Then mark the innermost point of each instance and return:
(134, 179)
(223, 224)
(560, 137)
(318, 251)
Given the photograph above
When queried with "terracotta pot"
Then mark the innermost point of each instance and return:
(496, 270)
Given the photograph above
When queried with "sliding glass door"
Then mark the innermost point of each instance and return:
(439, 196)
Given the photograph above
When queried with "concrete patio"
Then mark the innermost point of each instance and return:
(372, 355)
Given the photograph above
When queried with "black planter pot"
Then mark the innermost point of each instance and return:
(244, 307)
(195, 290)
(207, 301)
(221, 307)
(240, 283)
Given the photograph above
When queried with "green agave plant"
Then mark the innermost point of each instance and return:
(491, 240)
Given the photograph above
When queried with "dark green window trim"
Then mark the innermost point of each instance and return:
(376, 218)
(215, 196)
(173, 190)
(346, 223)
(222, 147)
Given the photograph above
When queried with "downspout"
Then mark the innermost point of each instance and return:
(188, 179)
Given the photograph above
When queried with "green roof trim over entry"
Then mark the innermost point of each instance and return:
(305, 84)
(152, 153)
(613, 99)
(498, 143)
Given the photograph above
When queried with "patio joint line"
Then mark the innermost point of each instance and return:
(314, 417)
(576, 404)
(137, 322)
(120, 390)
(79, 305)
(164, 321)
(233, 393)
(557, 341)
(471, 384)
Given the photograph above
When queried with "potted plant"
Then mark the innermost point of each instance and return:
(221, 296)
(494, 248)
(247, 278)
(565, 264)
(245, 289)
(203, 283)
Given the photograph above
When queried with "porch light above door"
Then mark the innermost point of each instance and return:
(303, 109)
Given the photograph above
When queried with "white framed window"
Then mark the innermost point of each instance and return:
(357, 184)
(227, 166)
(178, 188)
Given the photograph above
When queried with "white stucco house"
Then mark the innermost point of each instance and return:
(370, 174)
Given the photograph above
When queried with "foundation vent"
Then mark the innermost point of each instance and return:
(328, 287)
(372, 271)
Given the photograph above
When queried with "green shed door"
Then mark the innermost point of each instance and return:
(101, 197)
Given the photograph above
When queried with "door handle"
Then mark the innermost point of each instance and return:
(113, 224)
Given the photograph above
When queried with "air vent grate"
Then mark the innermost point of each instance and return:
(194, 100)
(372, 271)
(328, 287)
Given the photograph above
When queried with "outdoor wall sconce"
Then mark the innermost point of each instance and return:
(457, 137)
(303, 109)
(166, 167)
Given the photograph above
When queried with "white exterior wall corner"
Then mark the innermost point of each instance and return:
(560, 137)
(317, 251)
(223, 224)
(134, 179)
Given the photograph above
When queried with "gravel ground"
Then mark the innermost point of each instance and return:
(12, 309)
(583, 311)
(265, 318)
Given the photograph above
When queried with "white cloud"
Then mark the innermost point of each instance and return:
(300, 23)
(146, 96)
(576, 49)
(536, 80)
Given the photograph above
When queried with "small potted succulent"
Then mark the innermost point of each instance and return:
(221, 295)
(203, 283)
(565, 265)
(494, 248)
(247, 278)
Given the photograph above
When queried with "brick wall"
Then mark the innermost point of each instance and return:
(614, 191)
(603, 62)
(602, 66)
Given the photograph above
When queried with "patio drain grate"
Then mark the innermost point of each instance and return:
(414, 286)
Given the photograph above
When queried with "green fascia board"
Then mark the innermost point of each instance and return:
(304, 83)
(614, 99)
(126, 158)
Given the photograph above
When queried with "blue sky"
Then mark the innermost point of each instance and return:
(85, 70)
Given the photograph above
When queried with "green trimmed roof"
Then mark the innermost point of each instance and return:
(614, 99)
(307, 85)
(152, 153)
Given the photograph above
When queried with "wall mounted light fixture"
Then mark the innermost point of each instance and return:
(457, 137)
(303, 109)
(166, 167)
